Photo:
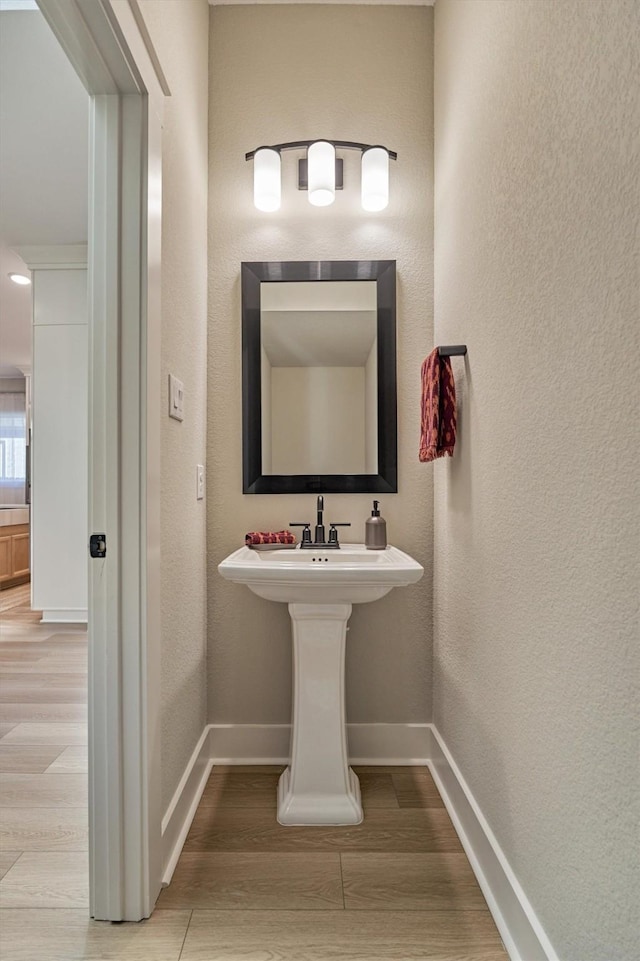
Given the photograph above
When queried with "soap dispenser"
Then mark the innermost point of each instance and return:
(375, 530)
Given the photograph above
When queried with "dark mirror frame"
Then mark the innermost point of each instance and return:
(383, 272)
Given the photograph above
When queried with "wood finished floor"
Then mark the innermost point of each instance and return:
(398, 887)
(43, 787)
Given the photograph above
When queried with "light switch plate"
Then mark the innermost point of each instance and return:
(199, 482)
(176, 398)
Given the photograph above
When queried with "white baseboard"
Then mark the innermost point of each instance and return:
(60, 615)
(523, 935)
(183, 806)
(368, 743)
(401, 744)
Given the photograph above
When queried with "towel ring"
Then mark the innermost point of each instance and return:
(458, 350)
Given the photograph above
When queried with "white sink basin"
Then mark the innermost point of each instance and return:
(320, 586)
(350, 575)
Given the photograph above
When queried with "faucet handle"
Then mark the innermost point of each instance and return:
(306, 532)
(333, 533)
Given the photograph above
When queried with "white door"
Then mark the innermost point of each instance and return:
(113, 57)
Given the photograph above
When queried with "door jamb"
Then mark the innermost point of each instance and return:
(109, 47)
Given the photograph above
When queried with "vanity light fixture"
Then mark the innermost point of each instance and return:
(20, 279)
(266, 179)
(320, 172)
(375, 179)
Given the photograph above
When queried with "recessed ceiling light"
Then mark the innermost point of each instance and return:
(20, 279)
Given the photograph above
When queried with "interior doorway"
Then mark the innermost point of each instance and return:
(44, 133)
(109, 49)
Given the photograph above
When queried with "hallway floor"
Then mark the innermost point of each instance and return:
(43, 761)
(396, 887)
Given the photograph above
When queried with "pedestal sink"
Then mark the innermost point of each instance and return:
(320, 587)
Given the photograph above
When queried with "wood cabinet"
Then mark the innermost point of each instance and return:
(14, 555)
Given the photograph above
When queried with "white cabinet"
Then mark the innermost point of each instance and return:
(59, 467)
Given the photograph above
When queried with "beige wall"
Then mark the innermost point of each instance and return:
(536, 547)
(179, 30)
(280, 73)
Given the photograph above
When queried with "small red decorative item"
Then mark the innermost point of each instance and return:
(438, 428)
(269, 537)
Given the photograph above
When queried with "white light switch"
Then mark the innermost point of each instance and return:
(200, 482)
(176, 398)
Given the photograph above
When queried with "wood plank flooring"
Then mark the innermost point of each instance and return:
(43, 804)
(16, 598)
(341, 936)
(397, 887)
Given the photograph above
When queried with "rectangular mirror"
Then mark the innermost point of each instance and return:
(319, 377)
(319, 367)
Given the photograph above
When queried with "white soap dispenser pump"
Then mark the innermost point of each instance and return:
(375, 530)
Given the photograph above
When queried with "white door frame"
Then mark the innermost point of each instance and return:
(108, 45)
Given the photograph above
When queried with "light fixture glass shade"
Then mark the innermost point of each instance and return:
(267, 188)
(20, 279)
(375, 179)
(321, 172)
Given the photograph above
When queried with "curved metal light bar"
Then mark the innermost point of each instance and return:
(319, 175)
(299, 144)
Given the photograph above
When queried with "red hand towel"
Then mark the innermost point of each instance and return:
(438, 429)
(270, 537)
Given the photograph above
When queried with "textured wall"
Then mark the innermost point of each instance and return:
(179, 30)
(280, 73)
(536, 545)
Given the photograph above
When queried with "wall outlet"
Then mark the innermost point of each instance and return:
(199, 482)
(176, 398)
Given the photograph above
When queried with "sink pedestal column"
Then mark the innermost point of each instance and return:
(319, 787)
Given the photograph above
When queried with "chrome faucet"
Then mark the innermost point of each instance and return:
(319, 534)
